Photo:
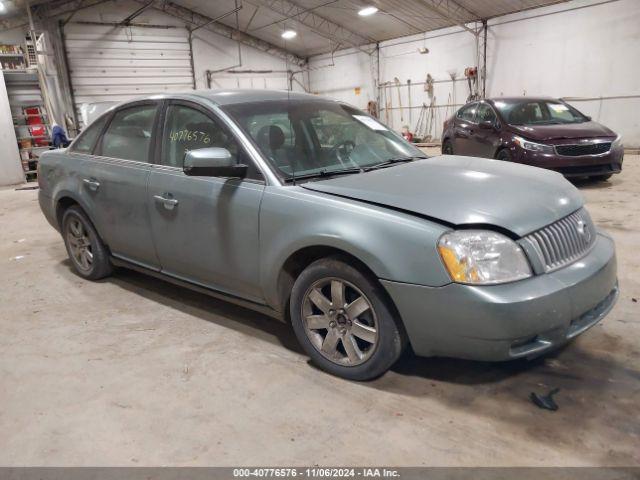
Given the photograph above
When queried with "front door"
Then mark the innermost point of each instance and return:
(115, 180)
(486, 140)
(205, 229)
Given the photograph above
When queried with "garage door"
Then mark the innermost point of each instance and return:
(112, 64)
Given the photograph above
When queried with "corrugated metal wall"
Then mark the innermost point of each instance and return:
(113, 64)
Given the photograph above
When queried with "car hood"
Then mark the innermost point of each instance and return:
(566, 131)
(464, 190)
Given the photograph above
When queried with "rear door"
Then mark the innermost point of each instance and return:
(486, 140)
(115, 182)
(463, 141)
(205, 229)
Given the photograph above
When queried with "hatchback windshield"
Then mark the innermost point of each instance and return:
(309, 138)
(538, 112)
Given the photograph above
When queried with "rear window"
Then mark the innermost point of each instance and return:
(87, 139)
(129, 133)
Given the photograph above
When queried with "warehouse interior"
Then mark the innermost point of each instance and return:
(134, 371)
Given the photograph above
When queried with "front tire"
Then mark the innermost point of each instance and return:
(504, 155)
(343, 321)
(447, 148)
(87, 252)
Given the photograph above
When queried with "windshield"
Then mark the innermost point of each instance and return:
(538, 112)
(307, 138)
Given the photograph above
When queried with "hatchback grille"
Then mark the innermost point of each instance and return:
(586, 149)
(564, 241)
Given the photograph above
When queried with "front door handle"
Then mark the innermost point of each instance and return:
(91, 183)
(168, 202)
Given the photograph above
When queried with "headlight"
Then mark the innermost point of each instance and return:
(482, 257)
(617, 142)
(532, 146)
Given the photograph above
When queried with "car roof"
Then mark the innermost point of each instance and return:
(520, 99)
(231, 97)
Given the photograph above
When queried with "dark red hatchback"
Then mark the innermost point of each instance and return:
(542, 132)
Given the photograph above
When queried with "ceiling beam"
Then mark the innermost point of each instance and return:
(46, 11)
(316, 23)
(199, 20)
(443, 10)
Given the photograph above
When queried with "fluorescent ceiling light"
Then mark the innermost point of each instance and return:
(289, 34)
(366, 11)
(2, 8)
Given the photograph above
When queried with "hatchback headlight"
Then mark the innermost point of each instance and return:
(617, 142)
(532, 146)
(482, 257)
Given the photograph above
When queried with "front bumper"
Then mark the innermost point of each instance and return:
(578, 166)
(520, 319)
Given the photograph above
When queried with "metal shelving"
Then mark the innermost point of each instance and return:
(33, 130)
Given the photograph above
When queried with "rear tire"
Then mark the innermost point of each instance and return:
(88, 254)
(504, 155)
(343, 321)
(601, 178)
(447, 148)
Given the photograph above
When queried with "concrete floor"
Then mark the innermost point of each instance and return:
(134, 371)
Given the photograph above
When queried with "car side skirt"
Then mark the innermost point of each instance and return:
(264, 309)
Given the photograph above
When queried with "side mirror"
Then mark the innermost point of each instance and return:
(588, 117)
(212, 162)
(487, 124)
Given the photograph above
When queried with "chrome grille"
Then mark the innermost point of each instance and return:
(564, 241)
(584, 149)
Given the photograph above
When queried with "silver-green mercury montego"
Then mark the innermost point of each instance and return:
(314, 212)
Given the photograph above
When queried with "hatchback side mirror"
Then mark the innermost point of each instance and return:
(212, 162)
(487, 124)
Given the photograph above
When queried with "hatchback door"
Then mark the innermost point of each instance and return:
(205, 229)
(464, 130)
(115, 183)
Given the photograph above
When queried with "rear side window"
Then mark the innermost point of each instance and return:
(468, 112)
(129, 134)
(87, 139)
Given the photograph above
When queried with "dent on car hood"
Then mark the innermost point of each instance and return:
(464, 190)
(564, 131)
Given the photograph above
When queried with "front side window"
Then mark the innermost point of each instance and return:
(87, 139)
(468, 112)
(305, 138)
(129, 134)
(187, 128)
(538, 112)
(486, 114)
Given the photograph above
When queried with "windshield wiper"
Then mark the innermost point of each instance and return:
(324, 173)
(393, 161)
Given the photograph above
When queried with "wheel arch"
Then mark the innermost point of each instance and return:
(300, 259)
(66, 199)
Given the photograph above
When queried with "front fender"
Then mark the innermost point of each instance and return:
(394, 245)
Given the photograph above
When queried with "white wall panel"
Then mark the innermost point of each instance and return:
(10, 167)
(581, 48)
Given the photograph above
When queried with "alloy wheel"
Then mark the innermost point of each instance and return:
(79, 244)
(340, 321)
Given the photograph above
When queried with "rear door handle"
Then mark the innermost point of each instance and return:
(91, 183)
(169, 203)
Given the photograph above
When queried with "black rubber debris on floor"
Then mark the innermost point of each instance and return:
(545, 402)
